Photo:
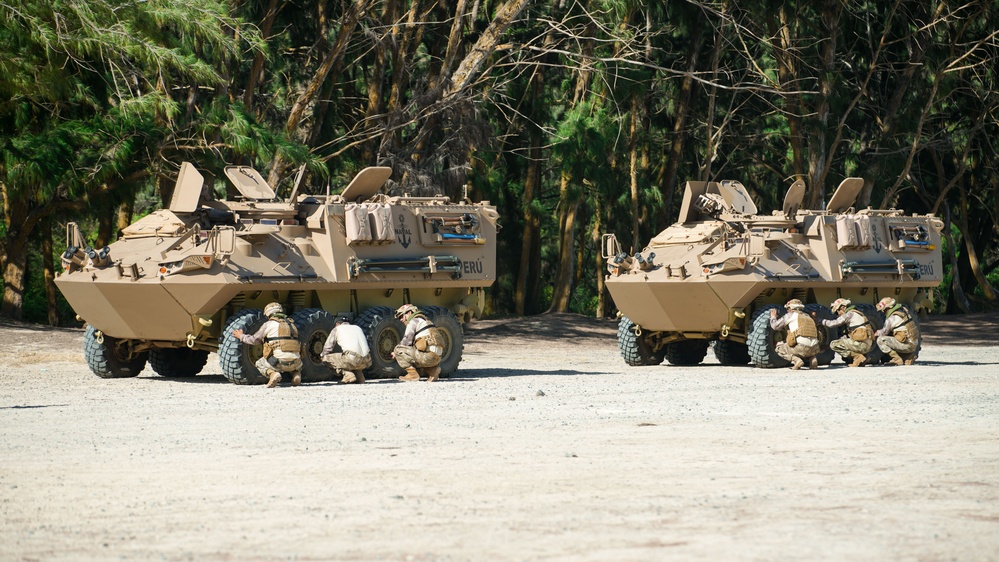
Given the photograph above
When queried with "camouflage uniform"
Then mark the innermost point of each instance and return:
(354, 356)
(848, 346)
(280, 335)
(900, 337)
(806, 347)
(407, 353)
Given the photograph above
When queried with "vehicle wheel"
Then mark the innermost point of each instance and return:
(236, 358)
(177, 361)
(877, 319)
(384, 332)
(109, 358)
(730, 352)
(635, 349)
(450, 330)
(314, 326)
(826, 335)
(686, 352)
(763, 338)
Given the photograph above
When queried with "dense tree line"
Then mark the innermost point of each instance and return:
(574, 117)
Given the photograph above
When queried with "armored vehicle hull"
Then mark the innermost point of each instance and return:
(180, 280)
(711, 276)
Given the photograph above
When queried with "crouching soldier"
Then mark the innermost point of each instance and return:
(420, 347)
(282, 350)
(802, 343)
(354, 356)
(900, 336)
(859, 334)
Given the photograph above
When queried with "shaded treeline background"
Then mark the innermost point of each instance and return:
(574, 117)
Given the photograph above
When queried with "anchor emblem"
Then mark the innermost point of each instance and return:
(402, 233)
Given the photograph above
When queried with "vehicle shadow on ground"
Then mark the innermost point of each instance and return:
(199, 379)
(469, 375)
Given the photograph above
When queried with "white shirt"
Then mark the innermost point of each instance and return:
(349, 337)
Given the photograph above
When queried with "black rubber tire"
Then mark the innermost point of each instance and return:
(730, 352)
(635, 350)
(384, 332)
(109, 359)
(762, 339)
(314, 327)
(177, 362)
(237, 359)
(826, 335)
(454, 339)
(686, 352)
(877, 320)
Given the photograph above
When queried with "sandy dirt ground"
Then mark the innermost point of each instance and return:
(545, 446)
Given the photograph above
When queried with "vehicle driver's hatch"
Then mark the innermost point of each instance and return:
(187, 191)
(738, 199)
(793, 198)
(366, 183)
(846, 195)
(249, 183)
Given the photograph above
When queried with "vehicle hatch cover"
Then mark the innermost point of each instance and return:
(366, 183)
(846, 195)
(249, 182)
(792, 200)
(738, 199)
(187, 190)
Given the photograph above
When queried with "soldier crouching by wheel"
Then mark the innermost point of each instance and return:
(859, 335)
(802, 343)
(420, 347)
(282, 350)
(354, 356)
(899, 338)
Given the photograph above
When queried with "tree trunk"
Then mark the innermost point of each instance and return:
(531, 230)
(633, 170)
(562, 289)
(333, 59)
(667, 180)
(787, 75)
(598, 260)
(48, 271)
(818, 159)
(125, 211)
(256, 70)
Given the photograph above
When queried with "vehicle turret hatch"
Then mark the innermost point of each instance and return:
(793, 198)
(737, 197)
(187, 191)
(366, 183)
(846, 195)
(249, 183)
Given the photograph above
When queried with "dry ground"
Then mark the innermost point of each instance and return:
(544, 446)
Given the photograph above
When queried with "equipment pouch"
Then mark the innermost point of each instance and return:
(792, 339)
(421, 344)
(860, 334)
(901, 336)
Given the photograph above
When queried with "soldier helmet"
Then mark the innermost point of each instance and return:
(794, 304)
(885, 303)
(405, 311)
(272, 309)
(840, 304)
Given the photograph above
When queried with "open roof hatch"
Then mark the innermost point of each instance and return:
(187, 191)
(846, 195)
(793, 198)
(249, 183)
(366, 183)
(738, 199)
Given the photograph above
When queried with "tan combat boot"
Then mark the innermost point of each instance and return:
(411, 375)
(896, 359)
(348, 377)
(433, 374)
(796, 363)
(296, 379)
(813, 363)
(359, 376)
(858, 361)
(275, 379)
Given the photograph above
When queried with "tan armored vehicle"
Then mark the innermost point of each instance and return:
(180, 280)
(715, 275)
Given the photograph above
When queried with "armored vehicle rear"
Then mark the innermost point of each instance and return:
(179, 281)
(715, 274)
